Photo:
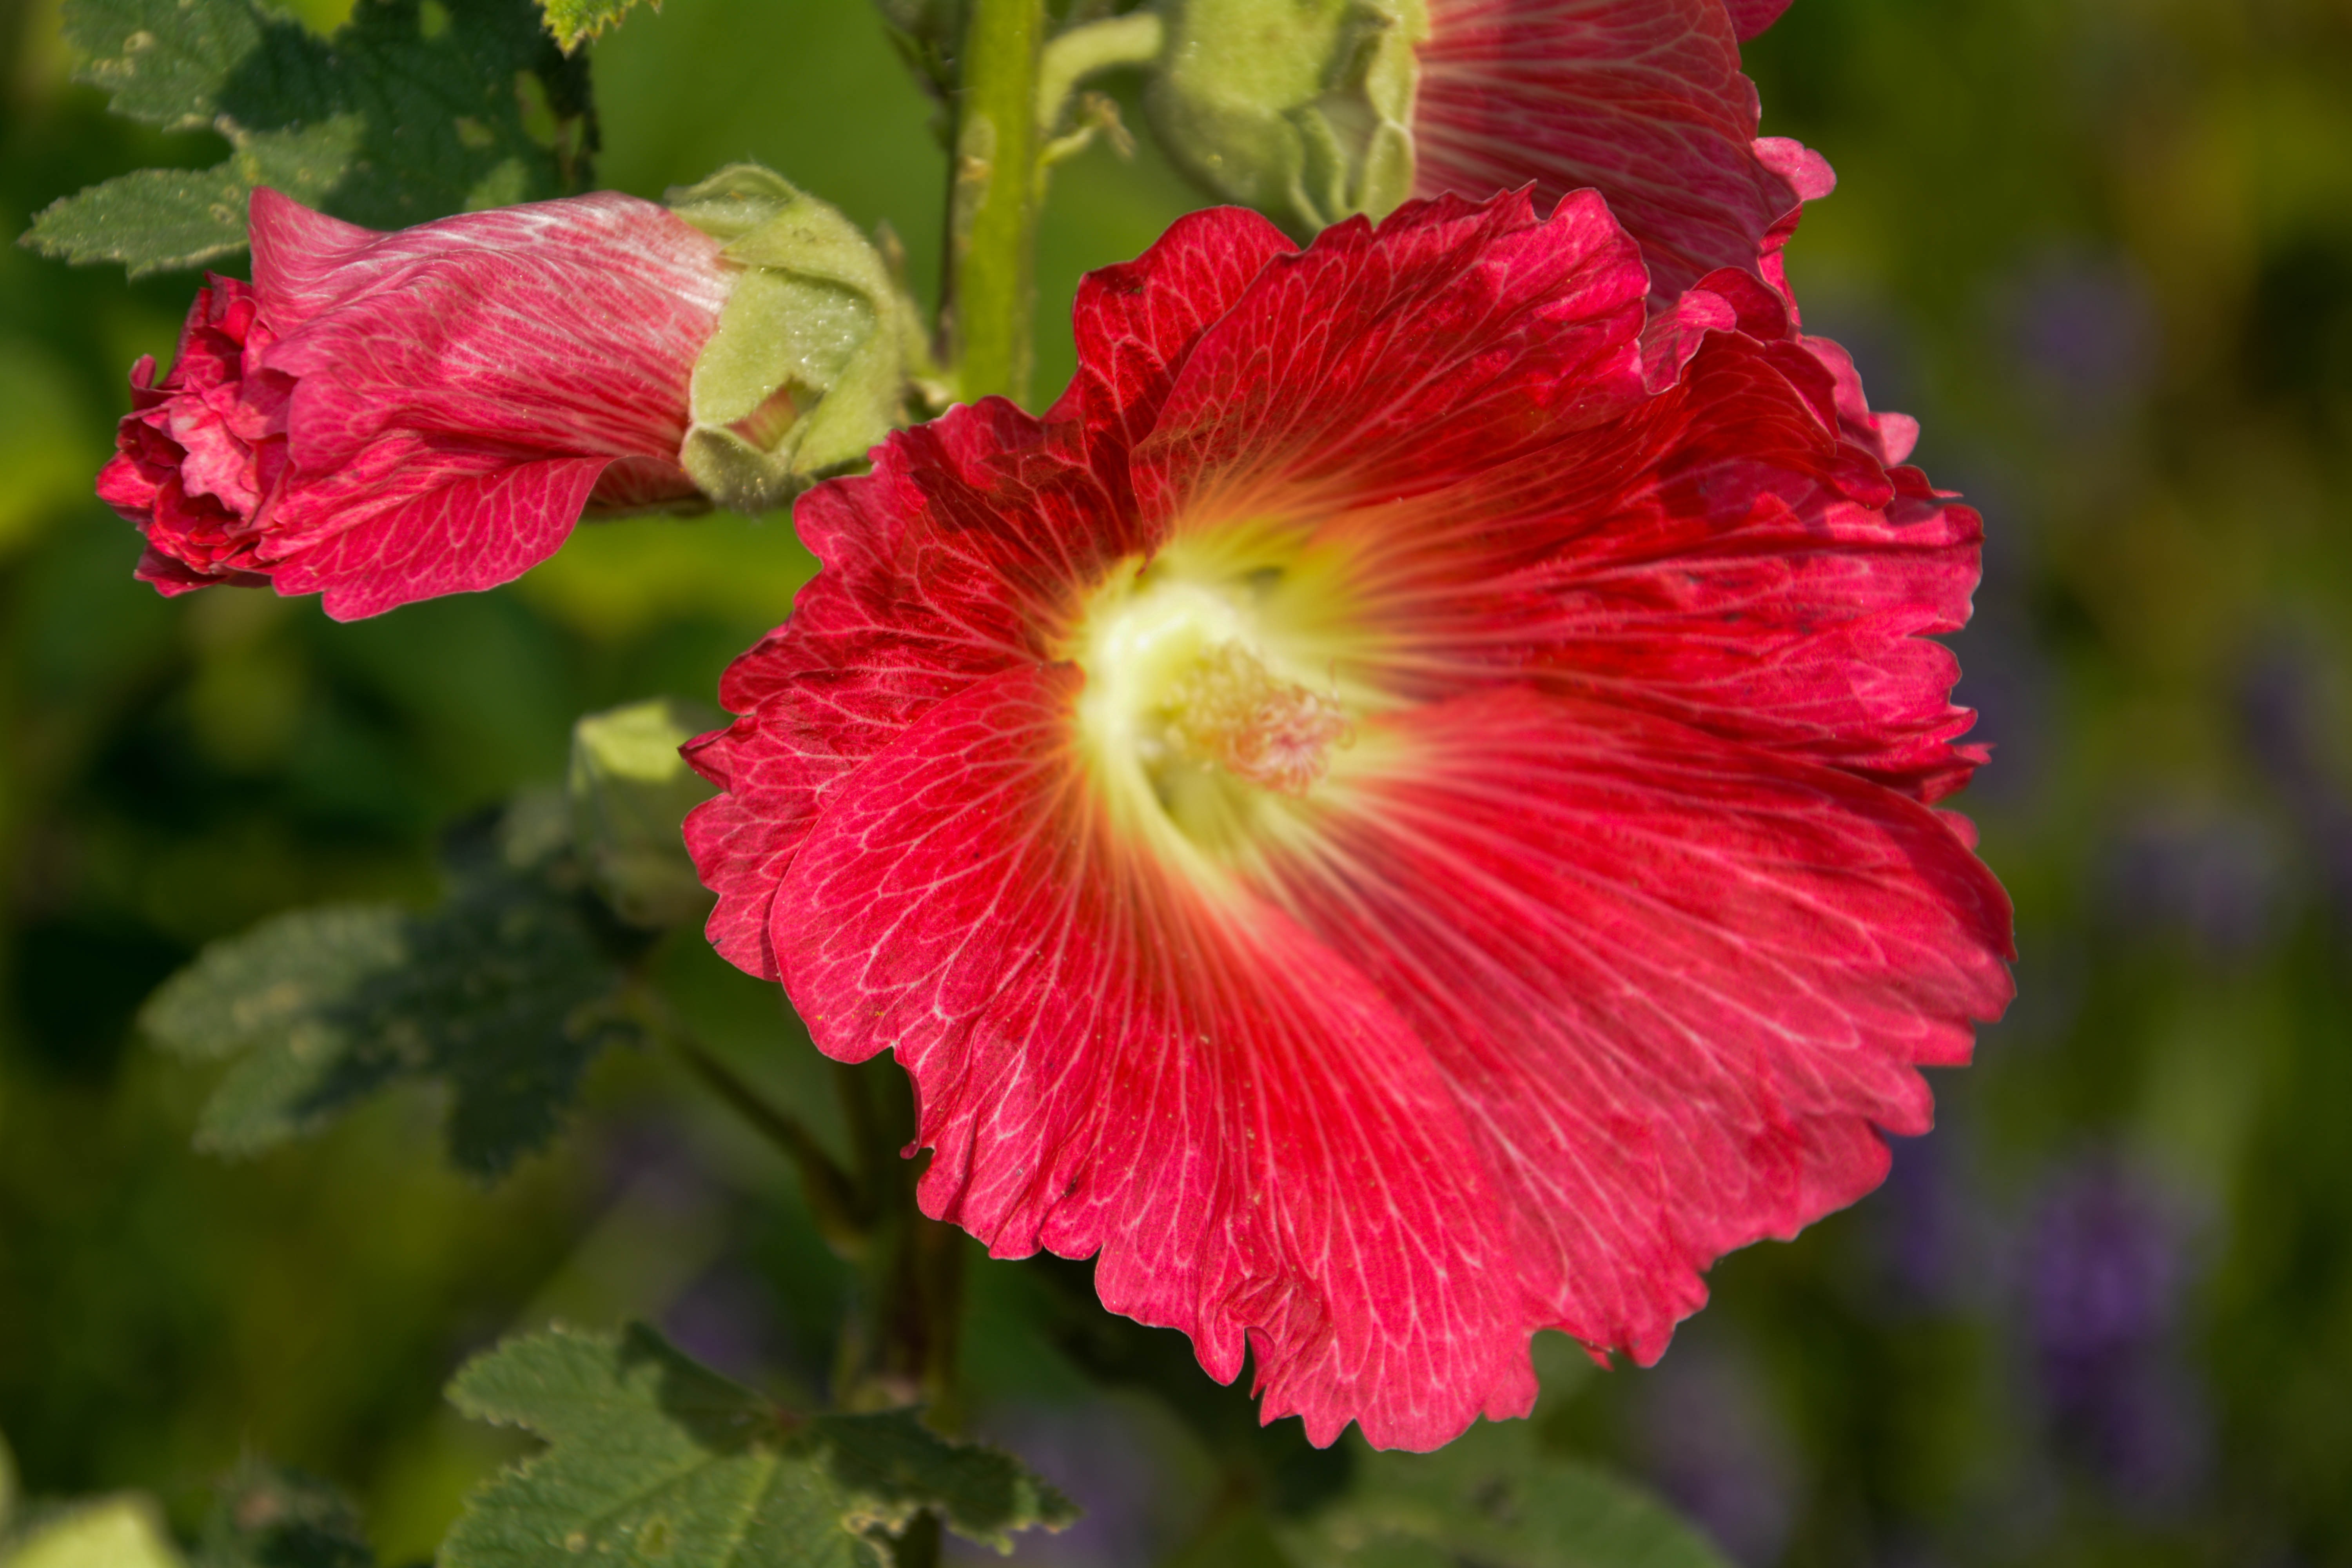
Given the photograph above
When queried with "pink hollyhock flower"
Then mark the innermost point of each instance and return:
(384, 417)
(1397, 815)
(1315, 113)
(1641, 100)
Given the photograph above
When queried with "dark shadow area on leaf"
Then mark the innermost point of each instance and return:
(505, 992)
(717, 1412)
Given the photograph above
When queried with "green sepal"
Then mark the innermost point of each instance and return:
(1302, 109)
(630, 791)
(808, 367)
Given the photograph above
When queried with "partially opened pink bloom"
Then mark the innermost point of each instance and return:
(1641, 100)
(1312, 113)
(383, 418)
(1396, 816)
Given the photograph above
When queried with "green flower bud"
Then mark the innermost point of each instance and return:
(1302, 109)
(630, 791)
(808, 366)
(121, 1532)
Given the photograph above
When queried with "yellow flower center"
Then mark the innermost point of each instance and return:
(1217, 688)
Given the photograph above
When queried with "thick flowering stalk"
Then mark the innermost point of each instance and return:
(1397, 815)
(385, 417)
(1314, 109)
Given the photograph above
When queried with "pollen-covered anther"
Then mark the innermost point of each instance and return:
(1230, 710)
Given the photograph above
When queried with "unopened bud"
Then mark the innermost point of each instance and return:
(808, 366)
(630, 792)
(1302, 109)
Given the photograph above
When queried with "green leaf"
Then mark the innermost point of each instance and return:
(413, 109)
(572, 20)
(505, 992)
(1494, 1496)
(267, 1516)
(652, 1458)
(7, 1487)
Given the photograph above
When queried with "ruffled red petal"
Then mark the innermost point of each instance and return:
(1389, 361)
(446, 531)
(961, 554)
(1137, 323)
(1641, 100)
(1749, 17)
(1720, 558)
(565, 327)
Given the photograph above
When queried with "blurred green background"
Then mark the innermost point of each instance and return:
(2103, 1315)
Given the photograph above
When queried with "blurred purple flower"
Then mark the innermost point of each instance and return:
(2084, 329)
(2106, 1270)
(1714, 1443)
(729, 1319)
(2216, 877)
(1934, 1236)
(653, 1159)
(2280, 707)
(2005, 674)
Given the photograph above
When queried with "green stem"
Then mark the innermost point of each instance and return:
(903, 1344)
(992, 248)
(918, 1545)
(842, 1208)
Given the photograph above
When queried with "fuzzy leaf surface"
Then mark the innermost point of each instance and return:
(505, 992)
(413, 109)
(654, 1459)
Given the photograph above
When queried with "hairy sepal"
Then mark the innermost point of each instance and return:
(807, 368)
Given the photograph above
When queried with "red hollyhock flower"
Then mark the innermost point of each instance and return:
(384, 417)
(1641, 100)
(1397, 815)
